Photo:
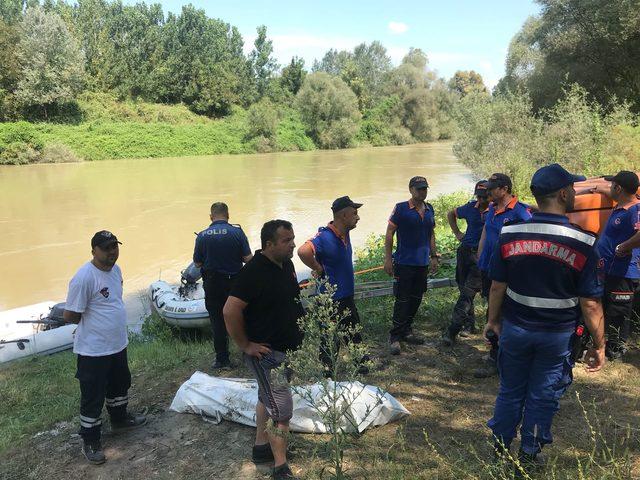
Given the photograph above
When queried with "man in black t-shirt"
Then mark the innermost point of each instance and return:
(261, 316)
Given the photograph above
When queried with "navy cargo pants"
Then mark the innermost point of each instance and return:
(409, 286)
(469, 283)
(103, 380)
(535, 371)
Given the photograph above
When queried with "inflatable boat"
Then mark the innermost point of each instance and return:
(181, 305)
(34, 330)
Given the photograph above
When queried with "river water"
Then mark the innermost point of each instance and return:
(49, 212)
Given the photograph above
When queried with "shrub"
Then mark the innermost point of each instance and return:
(19, 153)
(262, 119)
(58, 153)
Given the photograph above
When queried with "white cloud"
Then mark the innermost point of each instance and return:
(397, 27)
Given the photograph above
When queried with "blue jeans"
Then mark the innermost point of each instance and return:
(535, 371)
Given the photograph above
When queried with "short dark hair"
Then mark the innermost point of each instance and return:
(269, 230)
(220, 208)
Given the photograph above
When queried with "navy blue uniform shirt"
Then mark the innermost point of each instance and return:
(335, 254)
(547, 264)
(623, 224)
(493, 222)
(413, 231)
(221, 247)
(475, 221)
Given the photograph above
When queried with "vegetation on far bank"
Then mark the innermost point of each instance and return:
(99, 79)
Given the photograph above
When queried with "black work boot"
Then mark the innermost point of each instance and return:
(128, 422)
(262, 454)
(283, 472)
(92, 450)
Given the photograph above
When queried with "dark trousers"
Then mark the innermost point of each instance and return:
(351, 320)
(535, 371)
(618, 308)
(102, 379)
(409, 286)
(469, 283)
(486, 289)
(216, 291)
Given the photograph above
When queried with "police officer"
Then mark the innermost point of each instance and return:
(619, 248)
(467, 273)
(414, 223)
(329, 255)
(544, 274)
(504, 207)
(220, 251)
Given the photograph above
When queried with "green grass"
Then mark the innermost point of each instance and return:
(37, 393)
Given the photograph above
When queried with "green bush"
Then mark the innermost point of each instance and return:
(262, 120)
(58, 153)
(329, 109)
(19, 153)
(502, 134)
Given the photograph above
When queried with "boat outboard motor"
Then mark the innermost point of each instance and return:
(56, 315)
(188, 280)
(191, 274)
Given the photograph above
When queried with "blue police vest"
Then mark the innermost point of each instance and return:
(221, 247)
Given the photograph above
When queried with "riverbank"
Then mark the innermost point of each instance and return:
(445, 436)
(139, 130)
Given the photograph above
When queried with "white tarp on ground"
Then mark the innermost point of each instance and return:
(235, 399)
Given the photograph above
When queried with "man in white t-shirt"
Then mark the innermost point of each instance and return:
(94, 303)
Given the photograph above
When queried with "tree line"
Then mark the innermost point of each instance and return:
(53, 51)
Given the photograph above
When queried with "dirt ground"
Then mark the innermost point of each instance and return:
(444, 436)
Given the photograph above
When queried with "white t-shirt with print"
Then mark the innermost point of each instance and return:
(97, 295)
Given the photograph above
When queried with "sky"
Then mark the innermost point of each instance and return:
(456, 34)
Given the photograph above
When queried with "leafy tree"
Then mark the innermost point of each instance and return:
(263, 65)
(51, 62)
(329, 110)
(592, 43)
(364, 70)
(201, 63)
(293, 75)
(467, 81)
(11, 10)
(413, 83)
(9, 68)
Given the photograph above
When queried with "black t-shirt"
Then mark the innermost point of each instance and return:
(273, 297)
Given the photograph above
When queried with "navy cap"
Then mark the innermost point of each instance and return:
(480, 189)
(103, 238)
(498, 180)
(418, 182)
(626, 179)
(342, 203)
(552, 178)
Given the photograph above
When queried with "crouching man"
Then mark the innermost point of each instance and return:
(261, 316)
(94, 303)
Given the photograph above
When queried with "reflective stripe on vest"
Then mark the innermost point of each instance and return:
(540, 302)
(550, 229)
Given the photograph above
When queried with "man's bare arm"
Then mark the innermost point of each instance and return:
(594, 320)
(71, 317)
(233, 313)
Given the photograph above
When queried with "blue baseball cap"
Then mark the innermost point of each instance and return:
(552, 178)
